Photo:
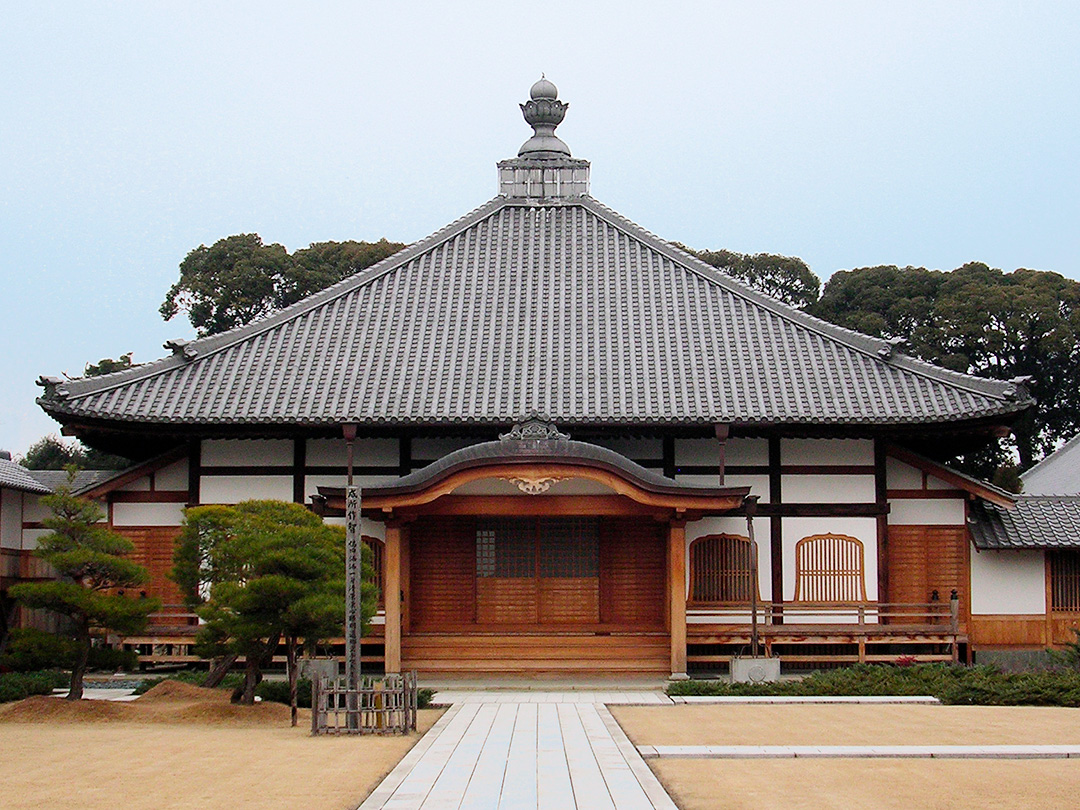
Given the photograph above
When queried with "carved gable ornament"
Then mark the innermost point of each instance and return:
(534, 430)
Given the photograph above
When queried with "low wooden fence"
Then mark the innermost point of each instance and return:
(385, 705)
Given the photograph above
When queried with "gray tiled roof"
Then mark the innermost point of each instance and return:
(84, 479)
(16, 476)
(1037, 521)
(1057, 474)
(561, 309)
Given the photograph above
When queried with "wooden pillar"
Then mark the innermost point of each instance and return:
(392, 598)
(677, 597)
(776, 533)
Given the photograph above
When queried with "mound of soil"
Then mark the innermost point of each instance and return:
(170, 702)
(172, 691)
(44, 709)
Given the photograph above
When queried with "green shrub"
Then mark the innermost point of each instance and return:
(110, 660)
(30, 650)
(278, 692)
(20, 685)
(975, 686)
(423, 697)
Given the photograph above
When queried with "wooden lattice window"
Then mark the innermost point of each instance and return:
(1065, 580)
(721, 570)
(377, 555)
(829, 568)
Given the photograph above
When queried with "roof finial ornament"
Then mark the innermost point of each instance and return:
(543, 112)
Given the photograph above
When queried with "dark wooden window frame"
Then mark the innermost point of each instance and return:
(733, 553)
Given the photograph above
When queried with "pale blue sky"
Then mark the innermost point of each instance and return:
(849, 134)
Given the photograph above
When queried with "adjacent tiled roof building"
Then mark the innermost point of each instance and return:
(1037, 521)
(1057, 474)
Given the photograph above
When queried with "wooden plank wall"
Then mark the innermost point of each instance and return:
(442, 573)
(922, 559)
(154, 546)
(633, 573)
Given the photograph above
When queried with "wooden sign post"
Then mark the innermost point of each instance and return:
(353, 623)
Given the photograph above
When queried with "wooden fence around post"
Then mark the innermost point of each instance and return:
(385, 705)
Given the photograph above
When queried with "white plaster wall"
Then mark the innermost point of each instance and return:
(937, 483)
(366, 452)
(236, 488)
(30, 537)
(138, 485)
(736, 526)
(828, 489)
(434, 449)
(11, 518)
(34, 511)
(173, 478)
(826, 451)
(247, 452)
(700, 480)
(372, 528)
(325, 453)
(864, 529)
(746, 451)
(637, 449)
(1011, 582)
(697, 452)
(313, 482)
(899, 475)
(929, 512)
(148, 514)
(759, 484)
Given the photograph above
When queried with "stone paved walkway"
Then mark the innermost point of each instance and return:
(524, 750)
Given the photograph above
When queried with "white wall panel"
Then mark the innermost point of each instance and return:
(697, 452)
(30, 537)
(937, 483)
(236, 488)
(138, 485)
(247, 452)
(148, 514)
(864, 529)
(899, 475)
(313, 482)
(34, 511)
(700, 480)
(173, 478)
(827, 489)
(827, 451)
(746, 451)
(366, 452)
(759, 484)
(637, 449)
(433, 449)
(736, 526)
(325, 453)
(1011, 582)
(11, 518)
(928, 512)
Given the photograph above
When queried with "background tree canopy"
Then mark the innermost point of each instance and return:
(977, 320)
(50, 453)
(784, 277)
(239, 279)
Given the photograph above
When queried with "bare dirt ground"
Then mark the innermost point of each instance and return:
(699, 784)
(179, 746)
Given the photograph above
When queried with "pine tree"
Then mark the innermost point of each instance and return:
(88, 558)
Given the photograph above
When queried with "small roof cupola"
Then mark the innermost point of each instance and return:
(544, 168)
